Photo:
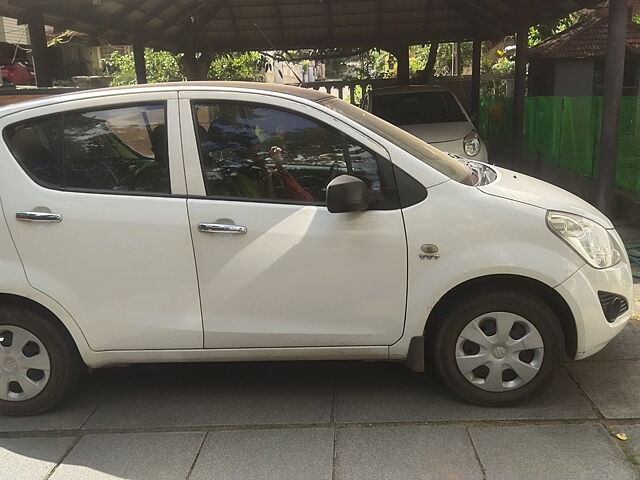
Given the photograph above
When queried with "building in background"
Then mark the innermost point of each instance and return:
(571, 63)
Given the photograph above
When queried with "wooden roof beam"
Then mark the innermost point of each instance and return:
(155, 11)
(73, 17)
(200, 22)
(127, 8)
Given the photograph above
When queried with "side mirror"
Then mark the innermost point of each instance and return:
(347, 194)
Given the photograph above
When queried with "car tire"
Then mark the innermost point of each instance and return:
(497, 369)
(29, 343)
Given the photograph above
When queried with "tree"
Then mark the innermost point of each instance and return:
(161, 66)
(238, 66)
(165, 66)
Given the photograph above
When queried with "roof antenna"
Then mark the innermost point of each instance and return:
(273, 47)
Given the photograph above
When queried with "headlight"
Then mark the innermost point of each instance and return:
(590, 240)
(472, 144)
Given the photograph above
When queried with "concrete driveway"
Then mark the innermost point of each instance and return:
(335, 420)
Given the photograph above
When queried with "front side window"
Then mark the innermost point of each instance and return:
(252, 151)
(121, 149)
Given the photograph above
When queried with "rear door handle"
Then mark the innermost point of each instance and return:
(39, 217)
(221, 228)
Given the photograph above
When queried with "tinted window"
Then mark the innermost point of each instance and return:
(433, 157)
(36, 145)
(122, 149)
(252, 151)
(417, 108)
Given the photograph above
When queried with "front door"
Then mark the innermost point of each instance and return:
(275, 268)
(94, 197)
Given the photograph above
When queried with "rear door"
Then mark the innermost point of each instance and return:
(93, 192)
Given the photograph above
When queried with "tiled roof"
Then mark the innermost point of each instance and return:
(586, 39)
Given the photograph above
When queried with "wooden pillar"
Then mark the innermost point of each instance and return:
(402, 56)
(475, 80)
(138, 60)
(613, 81)
(39, 50)
(520, 91)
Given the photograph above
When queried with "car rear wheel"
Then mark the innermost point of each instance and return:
(497, 349)
(38, 366)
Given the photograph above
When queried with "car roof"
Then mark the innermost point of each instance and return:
(400, 89)
(253, 87)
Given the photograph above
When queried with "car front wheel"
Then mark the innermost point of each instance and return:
(498, 348)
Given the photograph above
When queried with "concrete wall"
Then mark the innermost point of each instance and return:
(573, 78)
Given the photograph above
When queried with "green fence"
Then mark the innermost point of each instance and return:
(565, 132)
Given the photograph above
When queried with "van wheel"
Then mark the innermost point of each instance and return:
(497, 349)
(38, 366)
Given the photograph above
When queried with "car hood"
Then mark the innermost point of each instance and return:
(439, 132)
(522, 188)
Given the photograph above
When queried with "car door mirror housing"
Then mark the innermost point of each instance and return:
(347, 194)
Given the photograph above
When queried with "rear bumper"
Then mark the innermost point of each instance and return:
(580, 291)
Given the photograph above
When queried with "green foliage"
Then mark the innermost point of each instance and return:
(161, 66)
(374, 63)
(504, 66)
(444, 59)
(537, 33)
(238, 66)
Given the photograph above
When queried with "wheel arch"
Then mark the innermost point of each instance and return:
(36, 307)
(510, 282)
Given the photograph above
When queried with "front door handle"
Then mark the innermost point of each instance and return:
(221, 228)
(39, 217)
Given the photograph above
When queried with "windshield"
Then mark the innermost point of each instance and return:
(433, 157)
(417, 107)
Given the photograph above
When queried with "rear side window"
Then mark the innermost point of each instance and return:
(117, 150)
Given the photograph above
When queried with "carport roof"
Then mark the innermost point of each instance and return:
(226, 25)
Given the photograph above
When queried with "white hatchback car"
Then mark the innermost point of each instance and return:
(431, 113)
(229, 221)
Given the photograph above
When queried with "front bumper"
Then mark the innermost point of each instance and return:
(580, 291)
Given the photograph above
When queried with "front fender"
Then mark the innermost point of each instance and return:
(476, 237)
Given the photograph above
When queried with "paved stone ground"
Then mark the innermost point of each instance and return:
(334, 420)
(331, 420)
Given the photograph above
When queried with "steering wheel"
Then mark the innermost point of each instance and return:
(334, 170)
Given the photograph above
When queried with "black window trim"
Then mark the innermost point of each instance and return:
(60, 149)
(380, 159)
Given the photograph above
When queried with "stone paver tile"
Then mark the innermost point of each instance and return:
(69, 415)
(626, 346)
(138, 456)
(222, 394)
(613, 386)
(632, 444)
(268, 454)
(391, 393)
(551, 452)
(405, 453)
(31, 458)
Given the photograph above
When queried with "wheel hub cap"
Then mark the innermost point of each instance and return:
(499, 351)
(9, 364)
(24, 364)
